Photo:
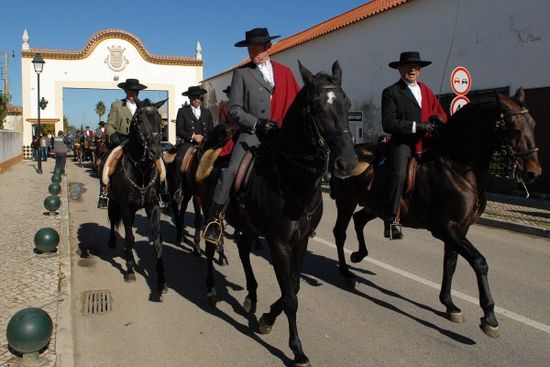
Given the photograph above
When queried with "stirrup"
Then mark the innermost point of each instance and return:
(215, 240)
(102, 201)
(397, 226)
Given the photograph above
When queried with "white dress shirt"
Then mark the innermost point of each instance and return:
(196, 111)
(266, 68)
(415, 90)
(131, 106)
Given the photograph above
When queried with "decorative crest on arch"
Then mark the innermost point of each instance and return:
(116, 34)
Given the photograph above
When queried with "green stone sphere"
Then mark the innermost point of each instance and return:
(52, 203)
(46, 239)
(54, 188)
(56, 178)
(29, 330)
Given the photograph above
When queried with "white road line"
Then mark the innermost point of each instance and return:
(512, 315)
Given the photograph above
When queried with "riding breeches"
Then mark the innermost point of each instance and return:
(399, 155)
(227, 175)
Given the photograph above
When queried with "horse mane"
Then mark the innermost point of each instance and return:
(469, 133)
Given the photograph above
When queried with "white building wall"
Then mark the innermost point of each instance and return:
(502, 43)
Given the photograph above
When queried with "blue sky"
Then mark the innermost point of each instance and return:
(165, 28)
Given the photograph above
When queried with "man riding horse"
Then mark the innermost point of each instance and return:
(410, 111)
(193, 124)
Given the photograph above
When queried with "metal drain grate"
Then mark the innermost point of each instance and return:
(96, 302)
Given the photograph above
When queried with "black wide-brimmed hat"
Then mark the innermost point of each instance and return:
(131, 84)
(409, 57)
(194, 90)
(227, 90)
(101, 123)
(256, 36)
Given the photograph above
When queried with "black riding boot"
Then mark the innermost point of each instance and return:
(213, 229)
(392, 229)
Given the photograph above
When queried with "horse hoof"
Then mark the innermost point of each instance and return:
(212, 297)
(249, 306)
(263, 326)
(351, 282)
(456, 317)
(302, 364)
(130, 277)
(223, 261)
(162, 288)
(358, 256)
(489, 330)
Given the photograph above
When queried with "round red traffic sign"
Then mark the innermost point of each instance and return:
(457, 103)
(461, 80)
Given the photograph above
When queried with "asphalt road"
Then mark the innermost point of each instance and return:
(391, 318)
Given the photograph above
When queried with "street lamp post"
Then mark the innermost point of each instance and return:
(38, 63)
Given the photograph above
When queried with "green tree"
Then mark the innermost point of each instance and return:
(100, 109)
(4, 103)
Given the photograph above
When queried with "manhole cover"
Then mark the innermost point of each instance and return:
(96, 302)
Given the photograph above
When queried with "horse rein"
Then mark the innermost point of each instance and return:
(143, 188)
(317, 141)
(144, 141)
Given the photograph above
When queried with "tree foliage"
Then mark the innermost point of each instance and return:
(100, 109)
(4, 103)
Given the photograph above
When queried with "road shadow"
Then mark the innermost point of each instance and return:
(318, 269)
(185, 274)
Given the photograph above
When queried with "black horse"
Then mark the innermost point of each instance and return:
(135, 184)
(182, 185)
(284, 201)
(449, 191)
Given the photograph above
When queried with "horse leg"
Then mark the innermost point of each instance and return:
(197, 207)
(129, 239)
(360, 220)
(449, 265)
(287, 264)
(344, 212)
(211, 295)
(454, 237)
(113, 209)
(153, 213)
(244, 244)
(177, 221)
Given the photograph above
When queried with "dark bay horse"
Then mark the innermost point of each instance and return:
(449, 192)
(284, 201)
(188, 189)
(135, 184)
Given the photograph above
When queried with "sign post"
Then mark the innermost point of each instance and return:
(461, 82)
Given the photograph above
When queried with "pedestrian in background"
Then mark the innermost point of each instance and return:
(60, 148)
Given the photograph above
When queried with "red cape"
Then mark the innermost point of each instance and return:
(430, 107)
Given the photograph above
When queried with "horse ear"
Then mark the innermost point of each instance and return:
(307, 76)
(160, 103)
(337, 72)
(520, 95)
(138, 102)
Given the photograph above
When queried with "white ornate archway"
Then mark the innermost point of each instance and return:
(109, 57)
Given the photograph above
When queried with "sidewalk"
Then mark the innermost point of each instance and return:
(27, 279)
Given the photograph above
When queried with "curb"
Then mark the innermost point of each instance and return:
(64, 333)
(533, 231)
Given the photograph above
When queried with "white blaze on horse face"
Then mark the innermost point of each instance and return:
(330, 97)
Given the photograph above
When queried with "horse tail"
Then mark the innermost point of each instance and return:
(114, 213)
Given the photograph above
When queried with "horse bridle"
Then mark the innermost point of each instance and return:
(317, 140)
(143, 139)
(143, 188)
